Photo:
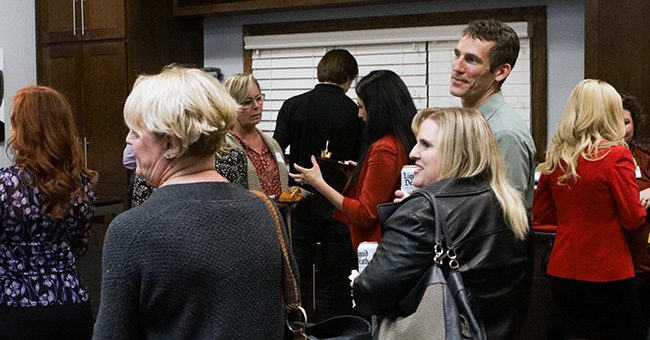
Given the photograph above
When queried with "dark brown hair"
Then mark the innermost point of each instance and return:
(44, 142)
(632, 104)
(337, 66)
(506, 42)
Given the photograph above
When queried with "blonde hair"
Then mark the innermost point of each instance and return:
(467, 147)
(239, 84)
(184, 103)
(592, 121)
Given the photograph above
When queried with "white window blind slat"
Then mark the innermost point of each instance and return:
(518, 77)
(296, 73)
(284, 83)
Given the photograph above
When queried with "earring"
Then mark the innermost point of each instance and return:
(168, 157)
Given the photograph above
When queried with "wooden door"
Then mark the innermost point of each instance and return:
(103, 19)
(94, 79)
(104, 93)
(61, 67)
(72, 20)
(58, 20)
(617, 49)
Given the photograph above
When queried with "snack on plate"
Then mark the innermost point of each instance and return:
(292, 195)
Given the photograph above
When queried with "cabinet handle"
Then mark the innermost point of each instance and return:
(83, 23)
(74, 17)
(86, 142)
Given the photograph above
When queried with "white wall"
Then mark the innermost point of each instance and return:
(18, 40)
(565, 27)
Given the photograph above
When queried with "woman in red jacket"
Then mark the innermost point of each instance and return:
(386, 106)
(587, 189)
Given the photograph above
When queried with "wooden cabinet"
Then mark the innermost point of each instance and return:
(96, 71)
(63, 70)
(74, 20)
(92, 76)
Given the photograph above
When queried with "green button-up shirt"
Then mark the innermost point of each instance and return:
(516, 144)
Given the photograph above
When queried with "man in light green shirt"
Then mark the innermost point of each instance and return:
(485, 56)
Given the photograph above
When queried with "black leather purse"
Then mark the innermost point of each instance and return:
(439, 306)
(342, 327)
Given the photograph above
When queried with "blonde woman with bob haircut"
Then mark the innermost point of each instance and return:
(587, 188)
(179, 265)
(458, 161)
(265, 167)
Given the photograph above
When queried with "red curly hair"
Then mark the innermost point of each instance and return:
(44, 142)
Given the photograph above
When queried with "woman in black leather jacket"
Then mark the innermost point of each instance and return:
(459, 162)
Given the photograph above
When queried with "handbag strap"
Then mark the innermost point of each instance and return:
(443, 247)
(290, 284)
(290, 288)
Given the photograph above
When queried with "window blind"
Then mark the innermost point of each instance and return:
(285, 65)
(284, 73)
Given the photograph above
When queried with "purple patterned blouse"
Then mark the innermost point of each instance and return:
(37, 253)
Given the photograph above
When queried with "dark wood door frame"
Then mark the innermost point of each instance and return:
(227, 7)
(617, 49)
(534, 16)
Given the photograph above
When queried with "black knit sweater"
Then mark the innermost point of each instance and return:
(195, 261)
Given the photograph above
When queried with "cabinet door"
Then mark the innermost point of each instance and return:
(104, 93)
(93, 78)
(62, 69)
(58, 20)
(71, 20)
(103, 19)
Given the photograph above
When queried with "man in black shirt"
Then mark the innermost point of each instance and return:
(306, 123)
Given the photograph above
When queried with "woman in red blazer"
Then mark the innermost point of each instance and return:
(386, 106)
(587, 189)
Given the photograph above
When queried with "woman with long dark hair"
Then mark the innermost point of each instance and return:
(386, 106)
(46, 204)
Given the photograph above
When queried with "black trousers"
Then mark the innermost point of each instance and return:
(69, 322)
(327, 244)
(598, 310)
(642, 281)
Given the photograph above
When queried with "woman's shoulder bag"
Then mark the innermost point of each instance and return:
(439, 306)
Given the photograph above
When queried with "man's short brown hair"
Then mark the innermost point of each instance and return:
(337, 66)
(506, 42)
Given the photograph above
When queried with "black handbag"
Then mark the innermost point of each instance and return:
(439, 306)
(343, 327)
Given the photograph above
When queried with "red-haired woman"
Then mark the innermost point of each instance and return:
(46, 204)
